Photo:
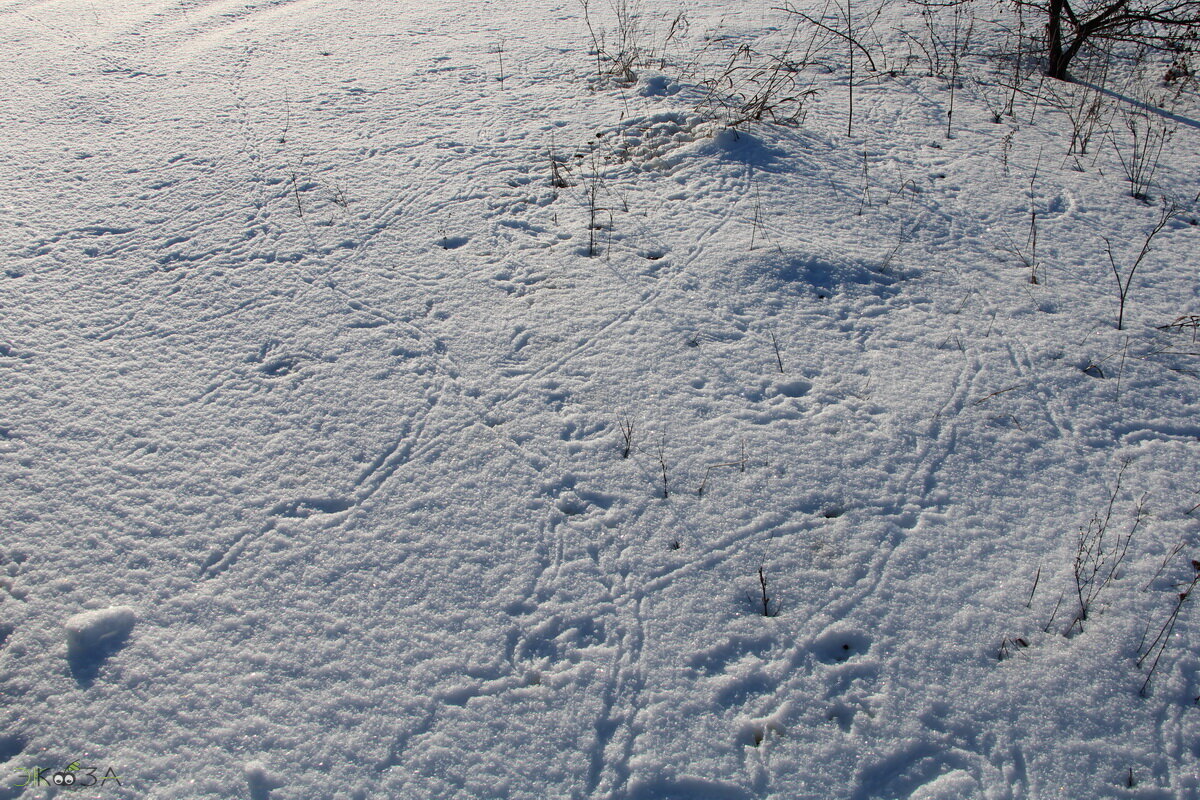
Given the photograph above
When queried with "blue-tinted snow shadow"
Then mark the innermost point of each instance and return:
(87, 654)
(804, 273)
(11, 746)
(86, 663)
(905, 772)
(746, 148)
(686, 789)
(1153, 109)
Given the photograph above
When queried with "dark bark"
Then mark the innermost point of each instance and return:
(1056, 66)
(1157, 23)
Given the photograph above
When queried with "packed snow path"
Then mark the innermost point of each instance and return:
(308, 366)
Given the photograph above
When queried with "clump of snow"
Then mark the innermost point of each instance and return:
(658, 86)
(92, 634)
(259, 781)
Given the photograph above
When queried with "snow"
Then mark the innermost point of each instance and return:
(94, 635)
(91, 631)
(308, 368)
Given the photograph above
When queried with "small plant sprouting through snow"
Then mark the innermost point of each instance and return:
(769, 606)
(1010, 646)
(1100, 551)
(620, 49)
(1141, 152)
(498, 49)
(662, 463)
(1187, 322)
(740, 464)
(778, 352)
(1124, 282)
(757, 88)
(557, 177)
(1159, 644)
(558, 169)
(628, 425)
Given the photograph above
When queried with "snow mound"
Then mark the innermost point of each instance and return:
(800, 272)
(94, 635)
(259, 781)
(732, 144)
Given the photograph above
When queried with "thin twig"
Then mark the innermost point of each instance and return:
(775, 344)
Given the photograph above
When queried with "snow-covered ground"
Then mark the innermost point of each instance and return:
(315, 392)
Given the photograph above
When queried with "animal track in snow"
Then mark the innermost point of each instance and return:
(308, 506)
(12, 569)
(837, 647)
(738, 670)
(278, 367)
(557, 639)
(923, 770)
(715, 659)
(686, 788)
(452, 242)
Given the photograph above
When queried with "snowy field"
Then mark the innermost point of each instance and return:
(326, 327)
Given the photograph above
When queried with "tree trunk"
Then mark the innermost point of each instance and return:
(1057, 60)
